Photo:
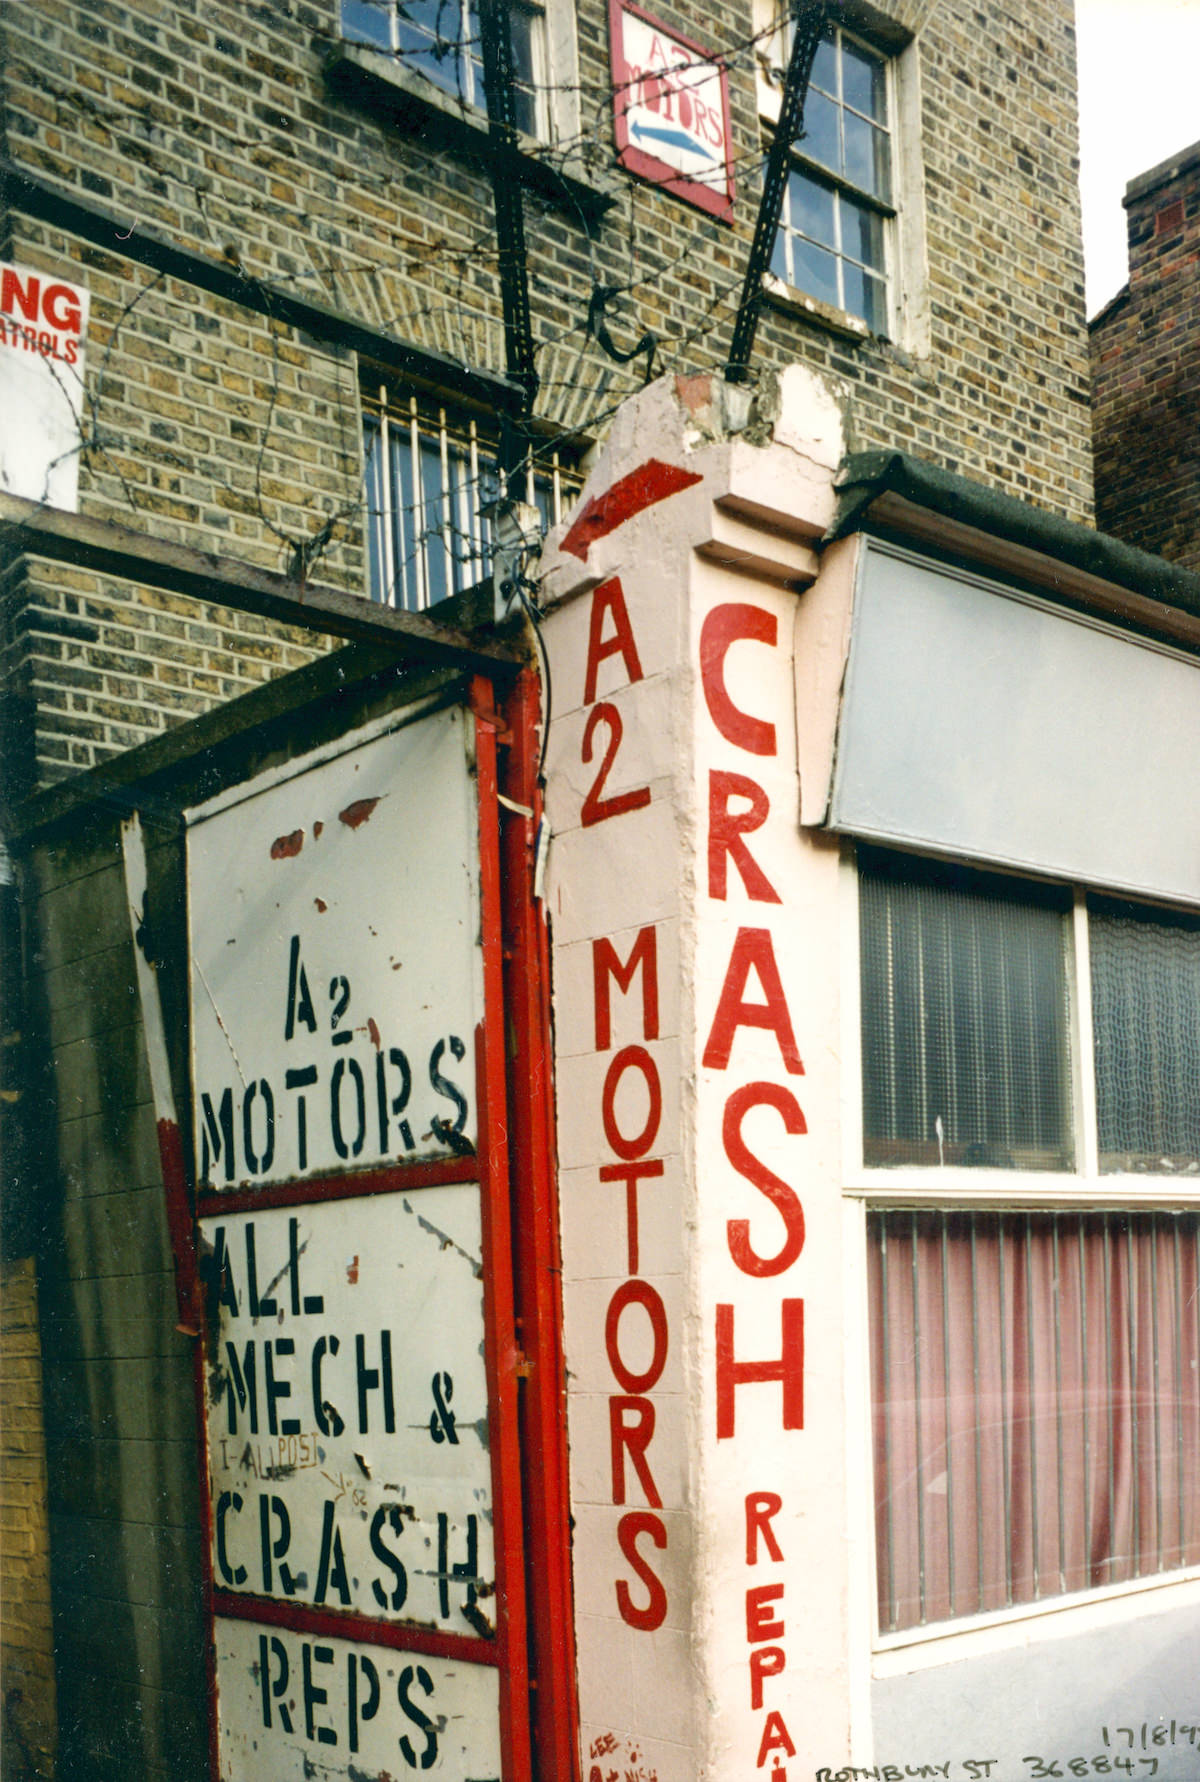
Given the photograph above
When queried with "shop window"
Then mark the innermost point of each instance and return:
(1033, 1365)
(430, 480)
(439, 41)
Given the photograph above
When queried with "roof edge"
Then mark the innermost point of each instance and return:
(891, 488)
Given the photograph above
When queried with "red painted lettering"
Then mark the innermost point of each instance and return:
(775, 1737)
(631, 1174)
(762, 1507)
(765, 1661)
(14, 295)
(761, 1623)
(641, 1522)
(642, 1294)
(61, 308)
(605, 964)
(631, 1428)
(783, 1198)
(724, 626)
(788, 1369)
(609, 601)
(726, 830)
(595, 808)
(631, 1058)
(752, 951)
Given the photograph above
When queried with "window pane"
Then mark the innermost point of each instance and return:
(811, 209)
(862, 234)
(429, 36)
(1146, 1022)
(866, 152)
(964, 1018)
(368, 21)
(824, 68)
(1034, 1403)
(815, 271)
(863, 83)
(820, 136)
(864, 296)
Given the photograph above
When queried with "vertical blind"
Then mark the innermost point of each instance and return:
(964, 1017)
(1035, 1403)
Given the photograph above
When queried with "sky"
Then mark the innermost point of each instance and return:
(1139, 103)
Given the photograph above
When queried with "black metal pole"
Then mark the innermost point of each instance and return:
(498, 82)
(808, 22)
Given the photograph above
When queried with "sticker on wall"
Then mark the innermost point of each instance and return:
(43, 325)
(671, 110)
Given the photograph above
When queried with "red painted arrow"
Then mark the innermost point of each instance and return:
(649, 483)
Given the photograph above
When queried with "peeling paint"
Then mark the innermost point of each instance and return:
(352, 1272)
(358, 813)
(321, 904)
(373, 1031)
(286, 847)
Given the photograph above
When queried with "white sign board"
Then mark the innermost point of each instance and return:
(671, 110)
(346, 1408)
(336, 971)
(43, 326)
(294, 1706)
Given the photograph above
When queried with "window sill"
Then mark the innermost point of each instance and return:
(413, 105)
(797, 303)
(949, 1642)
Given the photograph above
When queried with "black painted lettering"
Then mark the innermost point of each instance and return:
(369, 1381)
(277, 1547)
(409, 1675)
(241, 1390)
(331, 1568)
(222, 1269)
(277, 1389)
(273, 1685)
(301, 1079)
(299, 997)
(388, 1515)
(343, 1068)
(259, 1308)
(339, 996)
(367, 1710)
(462, 1571)
(216, 1136)
(259, 1162)
(397, 1059)
(313, 1303)
(314, 1696)
(327, 1419)
(443, 1085)
(232, 1575)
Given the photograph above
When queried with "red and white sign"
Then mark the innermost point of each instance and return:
(671, 110)
(43, 325)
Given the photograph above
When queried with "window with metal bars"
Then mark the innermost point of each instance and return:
(1035, 1375)
(430, 479)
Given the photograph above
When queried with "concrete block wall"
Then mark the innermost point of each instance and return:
(1145, 348)
(215, 126)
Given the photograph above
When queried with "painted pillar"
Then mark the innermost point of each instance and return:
(696, 942)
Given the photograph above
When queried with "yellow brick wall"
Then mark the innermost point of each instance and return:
(26, 1650)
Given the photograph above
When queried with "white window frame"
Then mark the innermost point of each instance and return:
(907, 293)
(553, 54)
(878, 1654)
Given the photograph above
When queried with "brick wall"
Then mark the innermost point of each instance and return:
(28, 1729)
(1145, 348)
(209, 422)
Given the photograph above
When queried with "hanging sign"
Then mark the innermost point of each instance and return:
(43, 325)
(336, 975)
(671, 110)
